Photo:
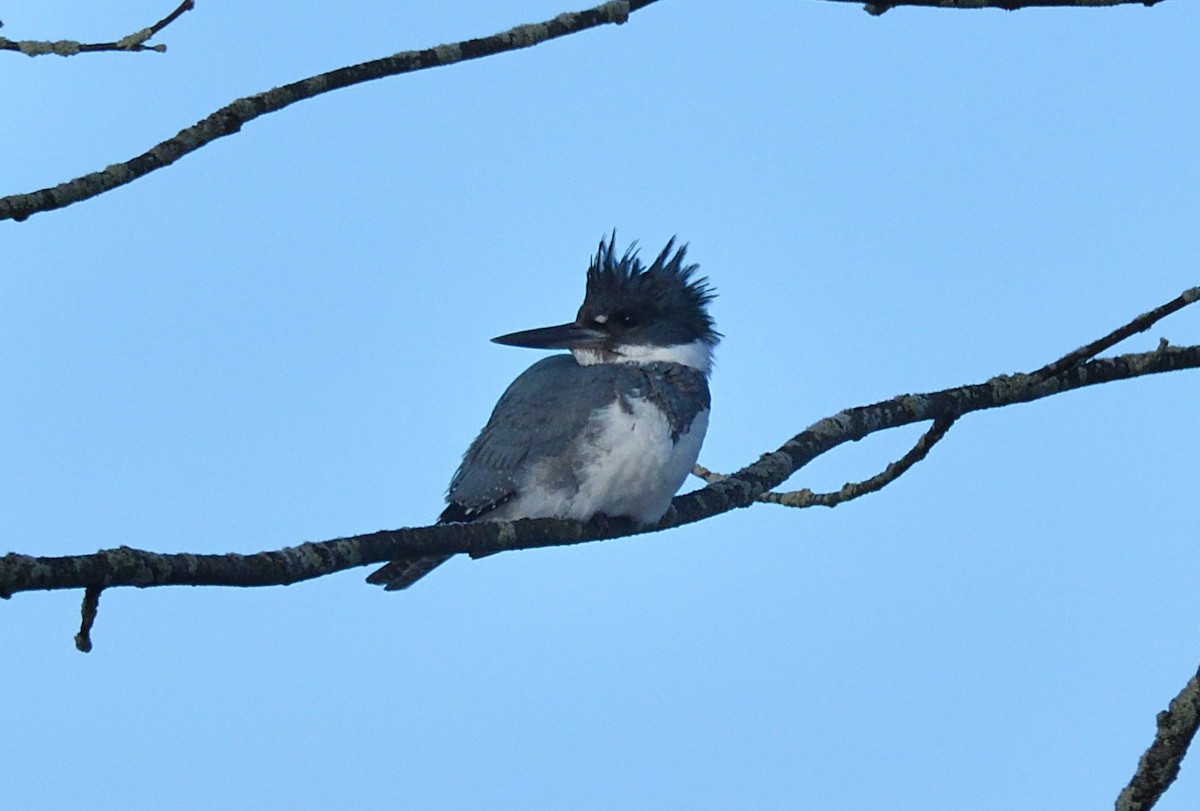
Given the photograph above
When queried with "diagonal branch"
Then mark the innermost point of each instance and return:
(1140, 324)
(65, 47)
(1159, 765)
(852, 490)
(230, 118)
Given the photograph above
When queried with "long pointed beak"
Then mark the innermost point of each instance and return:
(563, 336)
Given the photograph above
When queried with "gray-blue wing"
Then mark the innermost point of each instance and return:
(537, 418)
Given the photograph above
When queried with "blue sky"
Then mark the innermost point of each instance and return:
(284, 337)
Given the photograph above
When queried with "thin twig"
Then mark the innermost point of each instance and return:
(1006, 5)
(232, 117)
(65, 47)
(1159, 765)
(1140, 324)
(710, 476)
(91, 604)
(185, 6)
(852, 490)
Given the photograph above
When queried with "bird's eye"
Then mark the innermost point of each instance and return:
(627, 319)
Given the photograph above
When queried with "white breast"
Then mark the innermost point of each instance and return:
(631, 467)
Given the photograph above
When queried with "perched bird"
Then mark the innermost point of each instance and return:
(611, 429)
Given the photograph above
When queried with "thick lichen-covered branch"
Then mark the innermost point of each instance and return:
(1159, 765)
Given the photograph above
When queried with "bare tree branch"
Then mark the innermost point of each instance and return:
(124, 566)
(851, 490)
(65, 47)
(1007, 5)
(1159, 765)
(1140, 324)
(91, 605)
(230, 118)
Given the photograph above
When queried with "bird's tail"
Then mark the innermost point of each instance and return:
(400, 574)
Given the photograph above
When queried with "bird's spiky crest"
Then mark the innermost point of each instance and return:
(668, 282)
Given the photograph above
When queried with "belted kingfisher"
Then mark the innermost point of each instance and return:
(611, 429)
